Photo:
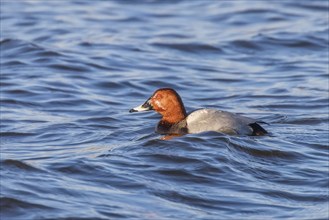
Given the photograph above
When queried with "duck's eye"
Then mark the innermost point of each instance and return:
(158, 96)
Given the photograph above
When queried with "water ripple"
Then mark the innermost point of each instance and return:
(71, 70)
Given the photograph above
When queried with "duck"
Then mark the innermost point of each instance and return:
(175, 120)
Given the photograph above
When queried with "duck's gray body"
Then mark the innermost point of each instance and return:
(220, 121)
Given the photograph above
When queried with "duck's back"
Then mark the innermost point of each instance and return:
(215, 120)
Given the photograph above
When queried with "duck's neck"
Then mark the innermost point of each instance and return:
(172, 125)
(174, 117)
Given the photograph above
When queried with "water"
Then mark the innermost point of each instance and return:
(71, 70)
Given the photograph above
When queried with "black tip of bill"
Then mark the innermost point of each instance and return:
(132, 110)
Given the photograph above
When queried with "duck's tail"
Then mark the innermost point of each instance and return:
(257, 130)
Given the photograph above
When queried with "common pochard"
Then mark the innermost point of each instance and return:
(175, 120)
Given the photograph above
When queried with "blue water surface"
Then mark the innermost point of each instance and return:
(71, 70)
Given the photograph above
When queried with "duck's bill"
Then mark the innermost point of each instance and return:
(142, 108)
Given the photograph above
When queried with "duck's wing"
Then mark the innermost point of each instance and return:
(221, 121)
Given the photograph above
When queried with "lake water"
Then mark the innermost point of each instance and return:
(71, 70)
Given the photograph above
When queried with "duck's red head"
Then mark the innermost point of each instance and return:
(167, 102)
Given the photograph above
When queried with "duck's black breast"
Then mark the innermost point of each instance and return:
(165, 127)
